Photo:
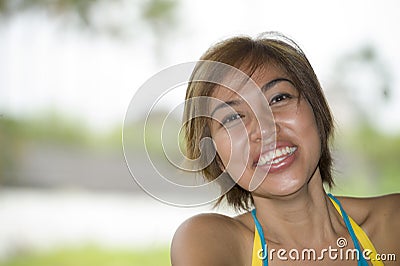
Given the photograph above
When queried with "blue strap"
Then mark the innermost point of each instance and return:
(261, 234)
(361, 260)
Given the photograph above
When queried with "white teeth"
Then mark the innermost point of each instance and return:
(267, 158)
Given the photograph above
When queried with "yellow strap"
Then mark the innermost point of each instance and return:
(362, 238)
(256, 261)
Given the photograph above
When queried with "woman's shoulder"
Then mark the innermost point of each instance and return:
(208, 239)
(378, 216)
(362, 209)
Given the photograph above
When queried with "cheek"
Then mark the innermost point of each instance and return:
(300, 119)
(309, 126)
(299, 124)
(223, 146)
(233, 149)
(308, 131)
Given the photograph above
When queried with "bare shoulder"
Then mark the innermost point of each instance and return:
(207, 239)
(386, 207)
(379, 217)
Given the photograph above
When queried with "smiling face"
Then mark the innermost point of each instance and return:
(245, 135)
(303, 129)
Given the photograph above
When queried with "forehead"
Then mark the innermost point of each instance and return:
(259, 77)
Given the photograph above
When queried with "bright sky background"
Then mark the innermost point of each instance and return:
(44, 66)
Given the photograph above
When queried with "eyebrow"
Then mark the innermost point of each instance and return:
(273, 82)
(264, 88)
(224, 104)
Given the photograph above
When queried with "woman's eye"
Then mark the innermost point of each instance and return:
(231, 118)
(280, 97)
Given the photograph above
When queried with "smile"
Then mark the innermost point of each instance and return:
(276, 157)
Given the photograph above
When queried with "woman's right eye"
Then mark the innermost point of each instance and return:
(230, 118)
(280, 97)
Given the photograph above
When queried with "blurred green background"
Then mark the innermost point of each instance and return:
(68, 70)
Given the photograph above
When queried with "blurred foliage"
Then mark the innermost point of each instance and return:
(113, 17)
(368, 56)
(382, 155)
(362, 79)
(13, 139)
(91, 255)
(370, 160)
(378, 147)
(10, 147)
(47, 127)
(9, 8)
(53, 128)
(159, 13)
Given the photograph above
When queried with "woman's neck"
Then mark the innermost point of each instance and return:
(294, 218)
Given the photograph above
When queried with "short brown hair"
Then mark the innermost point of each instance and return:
(268, 48)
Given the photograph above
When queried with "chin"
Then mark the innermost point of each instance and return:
(282, 187)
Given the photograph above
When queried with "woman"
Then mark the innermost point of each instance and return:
(288, 217)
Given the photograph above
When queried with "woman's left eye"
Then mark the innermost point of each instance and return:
(280, 97)
(230, 118)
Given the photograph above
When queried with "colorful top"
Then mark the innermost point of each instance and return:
(260, 256)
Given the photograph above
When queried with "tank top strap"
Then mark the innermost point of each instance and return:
(256, 260)
(260, 252)
(357, 234)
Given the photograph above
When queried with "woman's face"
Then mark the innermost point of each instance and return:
(279, 151)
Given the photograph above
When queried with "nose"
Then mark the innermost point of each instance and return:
(261, 129)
